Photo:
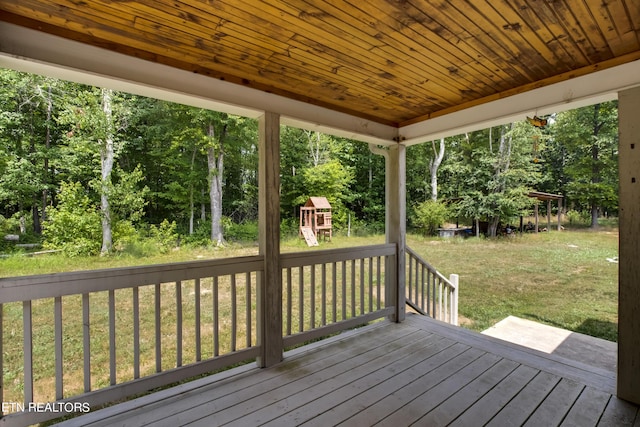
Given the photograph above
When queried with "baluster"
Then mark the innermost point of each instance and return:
(312, 297)
(440, 299)
(334, 290)
(353, 288)
(158, 321)
(248, 307)
(421, 304)
(362, 282)
(179, 323)
(344, 290)
(57, 320)
(196, 291)
(234, 313)
(289, 300)
(86, 343)
(324, 294)
(216, 318)
(370, 285)
(379, 280)
(112, 337)
(136, 332)
(300, 299)
(27, 346)
(433, 295)
(409, 278)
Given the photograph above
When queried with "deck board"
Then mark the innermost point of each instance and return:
(420, 371)
(493, 401)
(555, 407)
(348, 408)
(458, 403)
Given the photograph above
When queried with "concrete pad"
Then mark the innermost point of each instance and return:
(560, 342)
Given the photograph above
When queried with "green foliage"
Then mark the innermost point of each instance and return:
(330, 180)
(585, 157)
(430, 215)
(127, 196)
(578, 217)
(74, 225)
(246, 231)
(164, 235)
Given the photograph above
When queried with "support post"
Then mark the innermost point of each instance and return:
(629, 246)
(270, 281)
(396, 229)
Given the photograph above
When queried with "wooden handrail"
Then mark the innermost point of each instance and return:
(428, 291)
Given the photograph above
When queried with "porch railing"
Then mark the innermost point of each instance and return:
(428, 291)
(97, 336)
(342, 288)
(83, 339)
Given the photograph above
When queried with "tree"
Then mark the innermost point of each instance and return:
(93, 131)
(492, 176)
(27, 134)
(589, 137)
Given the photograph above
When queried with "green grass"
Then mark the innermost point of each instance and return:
(22, 265)
(559, 278)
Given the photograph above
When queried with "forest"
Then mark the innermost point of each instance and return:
(89, 171)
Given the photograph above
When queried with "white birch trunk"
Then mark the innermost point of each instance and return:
(215, 160)
(106, 166)
(434, 164)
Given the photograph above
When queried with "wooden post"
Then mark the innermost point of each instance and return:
(629, 246)
(536, 214)
(396, 224)
(270, 281)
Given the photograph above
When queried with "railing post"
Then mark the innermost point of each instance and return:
(269, 318)
(396, 222)
(454, 279)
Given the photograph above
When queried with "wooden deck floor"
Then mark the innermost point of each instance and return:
(420, 372)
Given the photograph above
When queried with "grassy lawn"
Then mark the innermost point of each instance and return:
(559, 278)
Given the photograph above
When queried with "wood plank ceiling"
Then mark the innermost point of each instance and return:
(395, 62)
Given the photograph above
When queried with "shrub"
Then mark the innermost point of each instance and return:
(164, 235)
(578, 217)
(74, 225)
(430, 215)
(243, 232)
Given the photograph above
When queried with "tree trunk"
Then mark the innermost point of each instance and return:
(215, 159)
(191, 202)
(106, 166)
(434, 164)
(594, 216)
(595, 169)
(501, 169)
(47, 144)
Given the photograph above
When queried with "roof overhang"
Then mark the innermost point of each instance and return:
(41, 53)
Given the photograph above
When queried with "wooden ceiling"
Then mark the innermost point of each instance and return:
(395, 62)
